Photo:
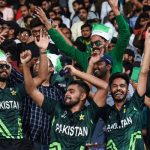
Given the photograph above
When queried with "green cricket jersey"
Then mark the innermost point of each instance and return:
(10, 120)
(124, 126)
(71, 131)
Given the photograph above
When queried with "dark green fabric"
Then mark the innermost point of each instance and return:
(10, 105)
(71, 131)
(124, 126)
(82, 57)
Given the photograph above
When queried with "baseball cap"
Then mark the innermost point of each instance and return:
(107, 58)
(103, 31)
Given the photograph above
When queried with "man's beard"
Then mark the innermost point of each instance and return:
(3, 79)
(99, 74)
(70, 104)
(118, 100)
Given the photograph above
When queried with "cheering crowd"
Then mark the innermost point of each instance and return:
(74, 74)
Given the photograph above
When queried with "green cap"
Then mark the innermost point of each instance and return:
(103, 31)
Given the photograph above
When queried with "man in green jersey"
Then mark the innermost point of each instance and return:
(11, 135)
(100, 39)
(73, 122)
(124, 119)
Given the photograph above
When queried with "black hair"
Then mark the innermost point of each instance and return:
(81, 84)
(35, 22)
(129, 52)
(25, 30)
(58, 19)
(116, 75)
(142, 15)
(84, 9)
(86, 25)
(10, 46)
(27, 17)
(44, 1)
(79, 2)
(50, 10)
(24, 5)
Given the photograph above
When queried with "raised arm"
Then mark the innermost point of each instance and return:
(43, 66)
(102, 86)
(31, 83)
(60, 42)
(141, 87)
(123, 37)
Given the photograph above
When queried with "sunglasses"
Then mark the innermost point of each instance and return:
(97, 43)
(2, 66)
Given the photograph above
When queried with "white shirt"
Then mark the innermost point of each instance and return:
(76, 29)
(8, 14)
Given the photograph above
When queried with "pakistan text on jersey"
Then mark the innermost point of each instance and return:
(72, 130)
(115, 126)
(9, 105)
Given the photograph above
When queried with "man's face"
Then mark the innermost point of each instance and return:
(24, 37)
(36, 31)
(111, 15)
(83, 14)
(87, 3)
(24, 11)
(119, 90)
(98, 43)
(5, 30)
(3, 3)
(57, 10)
(86, 32)
(66, 32)
(76, 7)
(5, 70)
(52, 15)
(72, 96)
(36, 67)
(100, 69)
(45, 5)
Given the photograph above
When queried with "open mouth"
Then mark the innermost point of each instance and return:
(118, 94)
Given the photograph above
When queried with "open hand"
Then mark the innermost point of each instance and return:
(43, 41)
(41, 15)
